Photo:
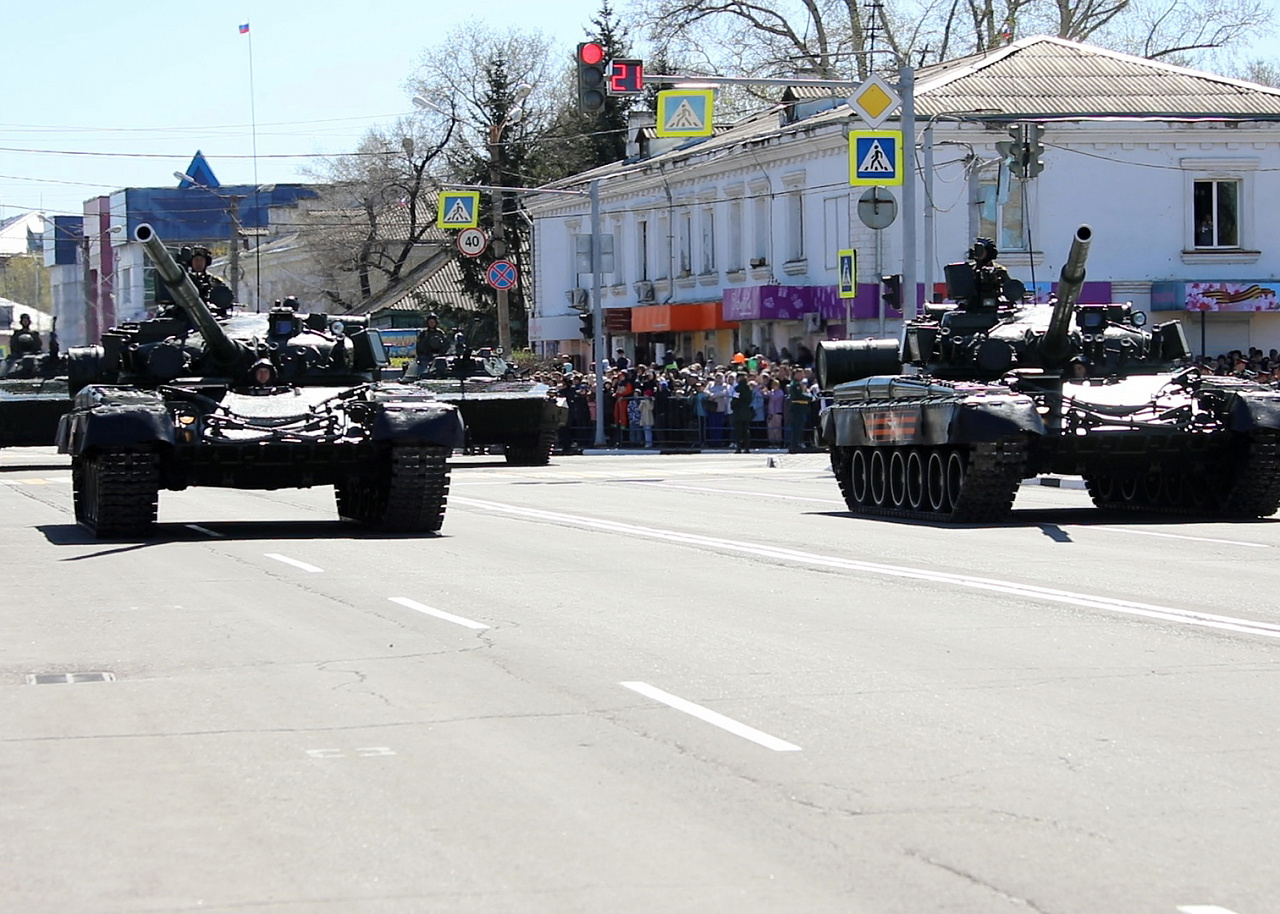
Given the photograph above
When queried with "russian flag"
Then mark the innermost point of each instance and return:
(244, 28)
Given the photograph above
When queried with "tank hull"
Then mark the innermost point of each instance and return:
(518, 416)
(956, 452)
(30, 411)
(383, 447)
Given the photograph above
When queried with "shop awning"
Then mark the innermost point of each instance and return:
(678, 318)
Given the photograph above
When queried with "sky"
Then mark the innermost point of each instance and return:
(100, 96)
(126, 92)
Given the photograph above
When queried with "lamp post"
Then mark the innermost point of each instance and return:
(233, 202)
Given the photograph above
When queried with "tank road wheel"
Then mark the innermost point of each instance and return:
(898, 477)
(936, 480)
(955, 479)
(1102, 490)
(406, 493)
(916, 496)
(878, 473)
(537, 454)
(116, 492)
(859, 477)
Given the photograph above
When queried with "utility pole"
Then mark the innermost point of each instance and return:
(498, 200)
(233, 255)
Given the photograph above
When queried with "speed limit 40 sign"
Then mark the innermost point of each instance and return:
(472, 242)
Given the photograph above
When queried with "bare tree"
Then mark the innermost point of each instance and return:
(376, 218)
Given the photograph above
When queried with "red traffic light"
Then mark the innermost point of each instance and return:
(590, 53)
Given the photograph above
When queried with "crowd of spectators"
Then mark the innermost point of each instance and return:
(756, 400)
(1255, 365)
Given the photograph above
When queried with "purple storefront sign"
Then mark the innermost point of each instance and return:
(792, 303)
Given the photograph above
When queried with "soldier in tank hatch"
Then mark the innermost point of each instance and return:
(24, 340)
(989, 276)
(431, 341)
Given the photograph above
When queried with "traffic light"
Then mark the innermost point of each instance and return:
(1017, 150)
(1035, 150)
(588, 322)
(591, 84)
(892, 294)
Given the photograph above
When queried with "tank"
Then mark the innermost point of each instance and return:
(33, 396)
(944, 424)
(249, 401)
(498, 407)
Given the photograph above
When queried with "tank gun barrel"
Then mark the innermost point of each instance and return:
(1056, 347)
(225, 350)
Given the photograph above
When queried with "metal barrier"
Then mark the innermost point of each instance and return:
(676, 426)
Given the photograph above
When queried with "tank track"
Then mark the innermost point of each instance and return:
(1247, 486)
(116, 493)
(951, 483)
(406, 493)
(537, 454)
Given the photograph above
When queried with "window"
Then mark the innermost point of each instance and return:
(686, 243)
(662, 265)
(735, 236)
(795, 226)
(1001, 212)
(1216, 213)
(708, 241)
(642, 250)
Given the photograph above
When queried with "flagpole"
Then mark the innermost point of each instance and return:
(257, 248)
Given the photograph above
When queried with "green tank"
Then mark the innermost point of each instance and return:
(498, 407)
(34, 396)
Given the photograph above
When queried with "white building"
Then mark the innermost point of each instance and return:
(731, 241)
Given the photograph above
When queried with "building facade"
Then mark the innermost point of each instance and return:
(732, 241)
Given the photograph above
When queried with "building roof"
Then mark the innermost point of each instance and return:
(1049, 77)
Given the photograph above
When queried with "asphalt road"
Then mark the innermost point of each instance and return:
(635, 684)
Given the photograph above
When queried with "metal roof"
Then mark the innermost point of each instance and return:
(1044, 76)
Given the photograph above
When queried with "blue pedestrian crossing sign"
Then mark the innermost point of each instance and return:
(848, 264)
(875, 157)
(685, 112)
(458, 209)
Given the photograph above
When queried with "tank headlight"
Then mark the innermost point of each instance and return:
(337, 327)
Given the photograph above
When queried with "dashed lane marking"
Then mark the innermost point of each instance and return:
(794, 556)
(438, 613)
(294, 562)
(205, 530)
(737, 728)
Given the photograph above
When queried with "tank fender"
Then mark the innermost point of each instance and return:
(929, 422)
(1256, 411)
(996, 419)
(439, 425)
(114, 425)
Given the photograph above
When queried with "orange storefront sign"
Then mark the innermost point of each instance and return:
(678, 318)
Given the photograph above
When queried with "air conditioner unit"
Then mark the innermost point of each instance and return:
(757, 262)
(644, 291)
(577, 298)
(813, 322)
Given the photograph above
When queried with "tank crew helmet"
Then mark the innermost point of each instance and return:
(983, 249)
(433, 317)
(263, 372)
(199, 251)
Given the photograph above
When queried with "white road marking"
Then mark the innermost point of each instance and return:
(1203, 909)
(1183, 536)
(1011, 588)
(205, 530)
(711, 717)
(438, 613)
(667, 485)
(294, 562)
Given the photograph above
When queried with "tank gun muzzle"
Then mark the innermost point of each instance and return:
(1055, 347)
(226, 351)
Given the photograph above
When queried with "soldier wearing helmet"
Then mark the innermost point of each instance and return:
(432, 341)
(989, 275)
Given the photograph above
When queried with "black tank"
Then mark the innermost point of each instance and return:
(982, 394)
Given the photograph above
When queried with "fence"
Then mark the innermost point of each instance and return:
(676, 426)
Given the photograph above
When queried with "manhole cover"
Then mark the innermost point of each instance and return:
(51, 678)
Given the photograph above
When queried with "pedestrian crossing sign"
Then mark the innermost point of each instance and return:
(685, 112)
(875, 157)
(848, 261)
(458, 209)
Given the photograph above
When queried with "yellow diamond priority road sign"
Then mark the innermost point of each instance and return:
(874, 100)
(685, 112)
